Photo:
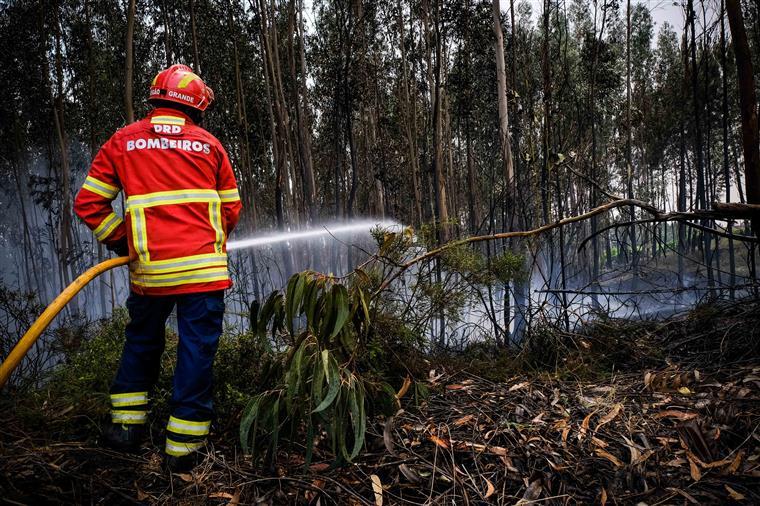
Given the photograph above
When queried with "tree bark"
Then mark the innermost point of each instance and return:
(247, 175)
(748, 106)
(724, 121)
(129, 64)
(410, 121)
(60, 129)
(194, 34)
(442, 213)
(628, 147)
(501, 90)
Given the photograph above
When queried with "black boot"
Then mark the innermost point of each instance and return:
(182, 464)
(124, 437)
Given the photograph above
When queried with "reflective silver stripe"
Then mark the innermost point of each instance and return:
(107, 226)
(135, 399)
(173, 197)
(101, 188)
(185, 264)
(170, 120)
(129, 416)
(139, 236)
(187, 427)
(215, 274)
(216, 222)
(229, 195)
(177, 449)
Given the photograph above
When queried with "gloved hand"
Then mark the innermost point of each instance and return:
(120, 248)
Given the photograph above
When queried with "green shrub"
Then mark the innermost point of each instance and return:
(240, 360)
(323, 381)
(90, 368)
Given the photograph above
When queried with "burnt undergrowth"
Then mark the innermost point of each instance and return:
(615, 411)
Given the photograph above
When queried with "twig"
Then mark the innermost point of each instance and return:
(659, 216)
(521, 233)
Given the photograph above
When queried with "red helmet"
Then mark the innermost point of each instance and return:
(179, 84)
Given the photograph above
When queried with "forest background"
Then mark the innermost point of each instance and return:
(456, 118)
(576, 364)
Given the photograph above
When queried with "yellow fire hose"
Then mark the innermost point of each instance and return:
(26, 342)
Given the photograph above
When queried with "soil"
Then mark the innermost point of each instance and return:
(670, 416)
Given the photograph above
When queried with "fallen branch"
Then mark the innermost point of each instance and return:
(737, 237)
(719, 211)
(646, 292)
(737, 210)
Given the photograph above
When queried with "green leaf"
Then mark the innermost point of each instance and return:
(365, 307)
(310, 298)
(348, 341)
(328, 317)
(266, 314)
(358, 417)
(275, 427)
(341, 307)
(249, 415)
(294, 298)
(333, 380)
(309, 441)
(293, 377)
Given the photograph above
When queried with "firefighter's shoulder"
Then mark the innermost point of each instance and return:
(208, 137)
(129, 129)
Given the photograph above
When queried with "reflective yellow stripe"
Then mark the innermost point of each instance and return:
(128, 394)
(127, 417)
(181, 264)
(188, 427)
(107, 226)
(129, 399)
(140, 235)
(171, 197)
(103, 189)
(189, 78)
(167, 120)
(199, 276)
(215, 218)
(178, 449)
(229, 195)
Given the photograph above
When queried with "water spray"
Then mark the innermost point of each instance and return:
(336, 230)
(30, 337)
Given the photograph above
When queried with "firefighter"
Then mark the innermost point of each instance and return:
(181, 203)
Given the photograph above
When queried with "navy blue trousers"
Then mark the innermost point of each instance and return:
(199, 321)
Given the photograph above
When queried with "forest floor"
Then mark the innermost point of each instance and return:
(631, 413)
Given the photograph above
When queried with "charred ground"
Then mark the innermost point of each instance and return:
(623, 412)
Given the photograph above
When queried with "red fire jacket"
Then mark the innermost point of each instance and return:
(181, 203)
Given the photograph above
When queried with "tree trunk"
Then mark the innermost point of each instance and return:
(168, 53)
(748, 106)
(304, 125)
(129, 64)
(442, 213)
(410, 122)
(101, 285)
(501, 90)
(698, 144)
(628, 148)
(247, 173)
(193, 33)
(724, 120)
(60, 129)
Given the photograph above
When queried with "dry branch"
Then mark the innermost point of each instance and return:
(719, 212)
